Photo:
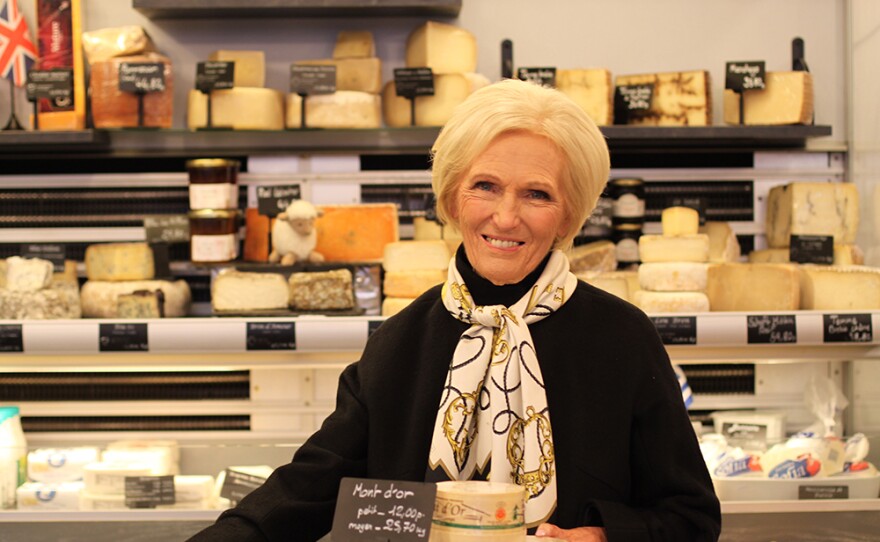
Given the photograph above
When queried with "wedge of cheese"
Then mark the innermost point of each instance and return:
(237, 291)
(839, 287)
(354, 44)
(58, 300)
(611, 284)
(411, 283)
(596, 257)
(723, 244)
(342, 109)
(242, 108)
(677, 221)
(119, 261)
(250, 66)
(28, 274)
(414, 255)
(673, 276)
(362, 74)
(449, 91)
(843, 255)
(675, 302)
(812, 208)
(753, 287)
(356, 233)
(442, 47)
(100, 298)
(686, 248)
(679, 98)
(592, 90)
(786, 99)
(322, 290)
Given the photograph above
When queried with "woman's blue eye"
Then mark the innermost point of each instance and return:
(539, 194)
(483, 185)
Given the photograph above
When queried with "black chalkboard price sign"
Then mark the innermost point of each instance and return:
(52, 252)
(141, 77)
(771, 328)
(215, 75)
(676, 329)
(123, 338)
(149, 491)
(166, 228)
(11, 338)
(55, 85)
(410, 83)
(811, 249)
(271, 336)
(748, 75)
(546, 77)
(274, 199)
(847, 328)
(383, 510)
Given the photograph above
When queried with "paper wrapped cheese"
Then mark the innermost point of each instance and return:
(113, 108)
(106, 43)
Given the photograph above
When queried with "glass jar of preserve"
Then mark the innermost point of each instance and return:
(213, 183)
(213, 235)
(626, 242)
(628, 200)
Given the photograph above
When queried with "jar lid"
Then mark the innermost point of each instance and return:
(7, 412)
(200, 163)
(214, 213)
(627, 181)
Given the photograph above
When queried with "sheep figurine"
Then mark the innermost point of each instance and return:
(294, 236)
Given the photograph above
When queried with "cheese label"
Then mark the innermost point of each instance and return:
(215, 75)
(771, 329)
(11, 338)
(390, 510)
(743, 76)
(272, 200)
(271, 336)
(55, 85)
(57, 254)
(632, 98)
(676, 329)
(812, 249)
(310, 80)
(546, 77)
(821, 493)
(123, 338)
(412, 82)
(166, 228)
(149, 491)
(141, 77)
(847, 328)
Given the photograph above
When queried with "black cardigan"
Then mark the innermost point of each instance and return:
(627, 456)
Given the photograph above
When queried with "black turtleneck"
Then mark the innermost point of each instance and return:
(486, 293)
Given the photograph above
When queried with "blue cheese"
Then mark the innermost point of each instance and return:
(28, 274)
(812, 208)
(119, 261)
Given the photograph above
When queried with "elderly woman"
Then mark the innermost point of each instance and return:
(512, 370)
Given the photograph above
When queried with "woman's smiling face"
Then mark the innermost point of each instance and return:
(510, 206)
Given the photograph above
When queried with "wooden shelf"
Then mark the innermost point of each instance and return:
(206, 9)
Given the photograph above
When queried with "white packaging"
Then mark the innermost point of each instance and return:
(160, 460)
(97, 501)
(136, 444)
(751, 429)
(193, 489)
(55, 465)
(41, 496)
(109, 478)
(13, 455)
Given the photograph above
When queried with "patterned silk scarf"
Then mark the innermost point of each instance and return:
(494, 406)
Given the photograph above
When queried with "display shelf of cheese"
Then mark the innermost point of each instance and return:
(723, 336)
(300, 8)
(398, 140)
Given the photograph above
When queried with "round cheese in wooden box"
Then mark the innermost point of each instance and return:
(479, 511)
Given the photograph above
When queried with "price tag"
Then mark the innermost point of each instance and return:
(236, 485)
(694, 202)
(811, 249)
(272, 200)
(123, 338)
(372, 326)
(676, 329)
(771, 329)
(141, 77)
(741, 76)
(546, 77)
(383, 510)
(309, 80)
(412, 82)
(847, 328)
(167, 228)
(821, 493)
(55, 85)
(215, 75)
(271, 336)
(149, 491)
(11, 338)
(56, 254)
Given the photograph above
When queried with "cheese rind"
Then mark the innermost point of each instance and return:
(237, 291)
(412, 283)
(99, 298)
(676, 302)
(686, 248)
(361, 74)
(324, 290)
(677, 221)
(840, 287)
(28, 274)
(120, 261)
(596, 257)
(442, 47)
(412, 255)
(787, 98)
(449, 91)
(342, 109)
(753, 286)
(250, 66)
(354, 44)
(673, 276)
(679, 98)
(356, 233)
(812, 208)
(592, 90)
(241, 108)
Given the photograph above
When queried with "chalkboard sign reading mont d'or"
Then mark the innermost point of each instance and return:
(383, 510)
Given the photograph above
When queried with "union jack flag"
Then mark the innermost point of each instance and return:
(17, 51)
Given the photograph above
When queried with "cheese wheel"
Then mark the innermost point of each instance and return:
(449, 91)
(240, 291)
(99, 298)
(475, 510)
(250, 66)
(673, 276)
(685, 248)
(674, 302)
(341, 109)
(241, 108)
